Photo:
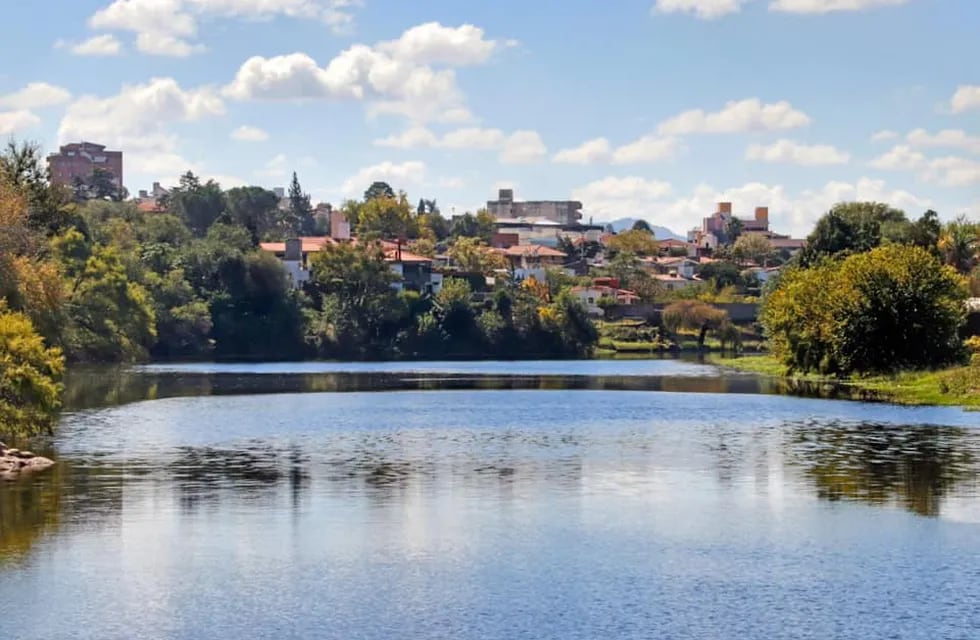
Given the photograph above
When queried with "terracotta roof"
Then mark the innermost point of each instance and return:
(390, 256)
(531, 250)
(310, 245)
(150, 207)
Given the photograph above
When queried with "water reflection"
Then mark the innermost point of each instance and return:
(914, 466)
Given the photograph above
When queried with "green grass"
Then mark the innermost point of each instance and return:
(955, 386)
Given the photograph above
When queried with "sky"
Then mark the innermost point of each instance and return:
(653, 109)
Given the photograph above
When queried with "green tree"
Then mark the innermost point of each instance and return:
(959, 244)
(198, 205)
(635, 241)
(890, 308)
(378, 189)
(642, 225)
(254, 208)
(752, 247)
(387, 218)
(472, 255)
(698, 316)
(30, 377)
(853, 227)
(23, 166)
(733, 230)
(300, 220)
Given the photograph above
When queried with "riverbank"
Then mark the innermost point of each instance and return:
(953, 387)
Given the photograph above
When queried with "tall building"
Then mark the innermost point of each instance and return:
(560, 211)
(81, 159)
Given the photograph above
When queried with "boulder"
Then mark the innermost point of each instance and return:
(15, 463)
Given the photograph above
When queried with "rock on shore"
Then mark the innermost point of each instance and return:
(14, 462)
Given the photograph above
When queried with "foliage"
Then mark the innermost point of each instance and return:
(30, 376)
(254, 208)
(752, 247)
(642, 225)
(959, 244)
(635, 241)
(299, 221)
(379, 189)
(891, 308)
(387, 218)
(853, 227)
(468, 225)
(198, 205)
(472, 255)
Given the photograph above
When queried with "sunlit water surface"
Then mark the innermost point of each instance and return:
(589, 499)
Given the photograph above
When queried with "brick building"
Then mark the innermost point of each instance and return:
(81, 159)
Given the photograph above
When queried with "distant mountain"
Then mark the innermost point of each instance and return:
(662, 233)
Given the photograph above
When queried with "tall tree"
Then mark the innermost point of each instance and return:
(254, 208)
(300, 209)
(642, 225)
(635, 241)
(198, 204)
(379, 189)
(387, 219)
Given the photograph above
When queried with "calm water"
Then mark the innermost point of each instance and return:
(631, 499)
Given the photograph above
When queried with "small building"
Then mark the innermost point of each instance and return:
(527, 260)
(560, 211)
(676, 283)
(590, 296)
(683, 267)
(79, 161)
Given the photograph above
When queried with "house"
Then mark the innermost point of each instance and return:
(527, 260)
(590, 296)
(763, 274)
(683, 267)
(414, 272)
(672, 246)
(542, 231)
(676, 283)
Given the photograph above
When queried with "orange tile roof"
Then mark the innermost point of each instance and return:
(531, 250)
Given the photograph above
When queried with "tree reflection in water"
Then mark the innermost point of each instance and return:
(914, 466)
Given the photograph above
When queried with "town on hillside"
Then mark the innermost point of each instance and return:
(520, 241)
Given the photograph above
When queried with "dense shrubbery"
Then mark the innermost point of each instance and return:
(890, 308)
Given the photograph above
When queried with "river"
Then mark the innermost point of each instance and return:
(592, 499)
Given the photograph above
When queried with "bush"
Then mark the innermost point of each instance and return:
(30, 377)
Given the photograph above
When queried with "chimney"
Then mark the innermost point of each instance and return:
(294, 250)
(339, 226)
(725, 207)
(762, 215)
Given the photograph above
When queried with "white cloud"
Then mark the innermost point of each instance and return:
(790, 152)
(411, 138)
(136, 120)
(828, 6)
(523, 147)
(167, 27)
(744, 115)
(165, 44)
(704, 9)
(451, 183)
(966, 97)
(593, 151)
(398, 76)
(900, 158)
(646, 149)
(246, 133)
(952, 171)
(883, 135)
(35, 95)
(949, 138)
(102, 45)
(432, 43)
(399, 176)
(276, 167)
(467, 138)
(615, 197)
(13, 121)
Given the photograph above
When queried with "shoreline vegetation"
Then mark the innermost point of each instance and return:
(956, 386)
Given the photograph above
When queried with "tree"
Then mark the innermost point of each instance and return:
(198, 205)
(691, 314)
(891, 308)
(23, 167)
(378, 189)
(472, 255)
(853, 227)
(387, 218)
(300, 220)
(635, 241)
(642, 225)
(354, 285)
(752, 247)
(254, 208)
(30, 377)
(959, 244)
(926, 231)
(733, 230)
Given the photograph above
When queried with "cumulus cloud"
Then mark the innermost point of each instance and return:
(246, 133)
(35, 95)
(883, 135)
(967, 97)
(736, 117)
(644, 150)
(169, 27)
(592, 151)
(466, 138)
(829, 6)
(704, 9)
(948, 171)
(523, 147)
(276, 167)
(948, 138)
(13, 121)
(400, 77)
(136, 120)
(899, 158)
(790, 152)
(99, 46)
(398, 175)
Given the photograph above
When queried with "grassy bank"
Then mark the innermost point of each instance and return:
(955, 386)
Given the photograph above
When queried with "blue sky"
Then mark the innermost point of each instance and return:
(652, 109)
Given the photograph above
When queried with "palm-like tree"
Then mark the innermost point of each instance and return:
(959, 244)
